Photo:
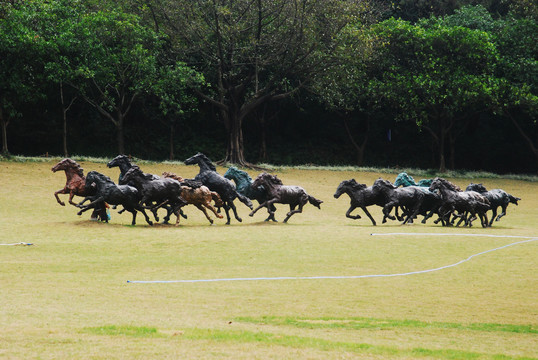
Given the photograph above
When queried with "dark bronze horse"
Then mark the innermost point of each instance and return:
(361, 196)
(243, 183)
(462, 202)
(106, 190)
(497, 198)
(123, 162)
(156, 191)
(294, 196)
(215, 182)
(410, 198)
(76, 185)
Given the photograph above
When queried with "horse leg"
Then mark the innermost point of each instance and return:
(234, 209)
(61, 191)
(141, 209)
(348, 213)
(202, 209)
(299, 210)
(368, 214)
(503, 209)
(264, 204)
(208, 205)
(386, 211)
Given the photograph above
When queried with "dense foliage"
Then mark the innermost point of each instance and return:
(432, 84)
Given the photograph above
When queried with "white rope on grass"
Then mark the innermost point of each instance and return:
(530, 239)
(14, 244)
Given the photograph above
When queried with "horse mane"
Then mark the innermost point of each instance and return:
(274, 179)
(207, 161)
(449, 185)
(241, 174)
(75, 166)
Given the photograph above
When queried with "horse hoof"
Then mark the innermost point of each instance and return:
(239, 219)
(251, 214)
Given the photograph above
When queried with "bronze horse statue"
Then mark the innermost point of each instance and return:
(75, 185)
(294, 196)
(199, 196)
(106, 190)
(209, 176)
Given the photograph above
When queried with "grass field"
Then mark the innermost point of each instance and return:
(67, 296)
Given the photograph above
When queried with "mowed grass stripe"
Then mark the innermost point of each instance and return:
(355, 323)
(270, 339)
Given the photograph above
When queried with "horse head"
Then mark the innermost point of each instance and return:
(201, 160)
(479, 188)
(240, 176)
(133, 174)
(348, 185)
(68, 164)
(119, 161)
(404, 180)
(266, 179)
(173, 176)
(440, 184)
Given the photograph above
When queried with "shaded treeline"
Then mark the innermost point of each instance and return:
(397, 84)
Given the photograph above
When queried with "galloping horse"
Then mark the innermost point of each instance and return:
(361, 196)
(124, 164)
(243, 182)
(496, 197)
(214, 181)
(283, 194)
(106, 190)
(461, 201)
(160, 190)
(76, 185)
(200, 196)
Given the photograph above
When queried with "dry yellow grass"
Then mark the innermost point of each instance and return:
(67, 296)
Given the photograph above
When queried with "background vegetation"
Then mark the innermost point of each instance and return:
(427, 84)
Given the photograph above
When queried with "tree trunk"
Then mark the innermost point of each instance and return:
(4, 123)
(120, 135)
(234, 150)
(359, 149)
(452, 151)
(171, 140)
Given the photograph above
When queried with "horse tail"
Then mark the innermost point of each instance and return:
(316, 202)
(513, 199)
(216, 198)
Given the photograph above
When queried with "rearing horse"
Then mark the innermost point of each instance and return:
(76, 185)
(215, 182)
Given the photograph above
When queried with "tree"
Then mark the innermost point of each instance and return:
(174, 88)
(255, 51)
(434, 75)
(112, 61)
(21, 49)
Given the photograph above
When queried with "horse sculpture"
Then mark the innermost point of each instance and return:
(124, 164)
(403, 179)
(462, 202)
(361, 196)
(106, 190)
(496, 197)
(199, 196)
(157, 191)
(283, 194)
(409, 197)
(432, 201)
(215, 182)
(76, 185)
(243, 183)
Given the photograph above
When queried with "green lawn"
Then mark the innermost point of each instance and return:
(67, 296)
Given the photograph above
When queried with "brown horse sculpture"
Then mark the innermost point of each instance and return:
(76, 185)
(200, 197)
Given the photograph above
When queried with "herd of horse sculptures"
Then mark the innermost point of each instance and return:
(137, 191)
